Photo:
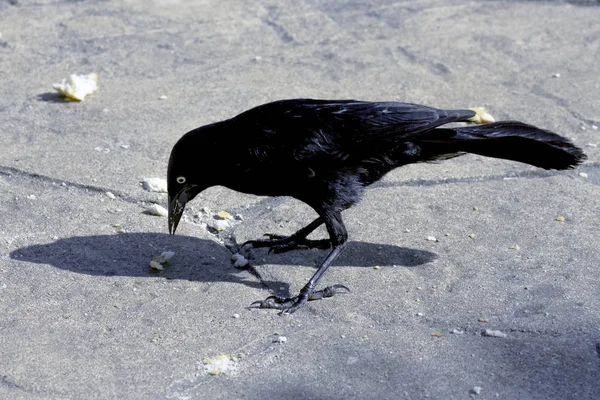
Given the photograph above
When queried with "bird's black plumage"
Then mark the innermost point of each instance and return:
(325, 152)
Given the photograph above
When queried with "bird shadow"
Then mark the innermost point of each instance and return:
(356, 254)
(129, 254)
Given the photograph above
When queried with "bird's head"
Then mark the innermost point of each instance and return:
(186, 177)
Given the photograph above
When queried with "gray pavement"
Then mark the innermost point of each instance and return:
(83, 317)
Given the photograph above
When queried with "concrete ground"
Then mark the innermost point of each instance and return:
(83, 317)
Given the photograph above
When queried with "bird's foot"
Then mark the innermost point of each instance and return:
(281, 244)
(288, 305)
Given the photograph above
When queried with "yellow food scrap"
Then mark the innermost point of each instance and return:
(223, 215)
(76, 87)
(560, 218)
(481, 116)
(437, 334)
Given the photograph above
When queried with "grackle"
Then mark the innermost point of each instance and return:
(325, 152)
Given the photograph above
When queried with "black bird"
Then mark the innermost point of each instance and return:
(325, 152)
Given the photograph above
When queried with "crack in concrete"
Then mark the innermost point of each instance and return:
(534, 174)
(11, 171)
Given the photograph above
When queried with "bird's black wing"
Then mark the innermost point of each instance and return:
(306, 128)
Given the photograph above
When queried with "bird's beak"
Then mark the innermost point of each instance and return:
(177, 205)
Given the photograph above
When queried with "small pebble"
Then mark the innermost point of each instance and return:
(218, 225)
(555, 75)
(492, 333)
(419, 314)
(280, 339)
(594, 127)
(475, 390)
(239, 261)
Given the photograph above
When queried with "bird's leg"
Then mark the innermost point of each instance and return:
(281, 244)
(339, 236)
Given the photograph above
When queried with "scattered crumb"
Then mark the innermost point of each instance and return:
(31, 197)
(515, 247)
(406, 230)
(77, 87)
(492, 333)
(592, 144)
(471, 235)
(483, 320)
(583, 175)
(239, 261)
(158, 185)
(110, 195)
(377, 267)
(594, 127)
(432, 238)
(236, 316)
(475, 208)
(457, 332)
(221, 364)
(560, 218)
(481, 116)
(157, 210)
(158, 262)
(239, 217)
(156, 265)
(437, 334)
(556, 75)
(163, 97)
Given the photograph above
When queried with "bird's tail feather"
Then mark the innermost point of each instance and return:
(509, 140)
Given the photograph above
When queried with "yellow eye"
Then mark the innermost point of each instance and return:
(180, 179)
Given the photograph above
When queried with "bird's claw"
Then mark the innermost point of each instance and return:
(288, 305)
